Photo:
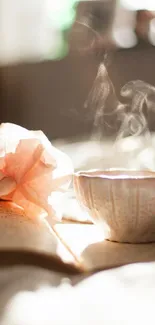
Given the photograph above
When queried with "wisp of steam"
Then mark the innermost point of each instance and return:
(138, 98)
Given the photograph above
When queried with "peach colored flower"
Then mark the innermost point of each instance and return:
(31, 169)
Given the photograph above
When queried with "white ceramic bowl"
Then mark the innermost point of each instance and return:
(121, 202)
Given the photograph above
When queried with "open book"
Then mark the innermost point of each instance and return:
(88, 249)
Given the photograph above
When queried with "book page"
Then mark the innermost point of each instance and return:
(94, 252)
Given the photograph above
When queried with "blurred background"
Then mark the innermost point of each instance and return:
(50, 53)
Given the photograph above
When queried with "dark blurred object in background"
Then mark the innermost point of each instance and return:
(92, 28)
(50, 94)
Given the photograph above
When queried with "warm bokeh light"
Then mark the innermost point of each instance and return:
(139, 5)
(124, 37)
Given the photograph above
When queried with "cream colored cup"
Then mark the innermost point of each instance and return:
(121, 202)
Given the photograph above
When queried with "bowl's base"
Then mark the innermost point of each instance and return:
(139, 238)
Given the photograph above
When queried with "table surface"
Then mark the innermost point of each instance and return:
(123, 293)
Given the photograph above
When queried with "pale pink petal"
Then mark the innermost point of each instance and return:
(30, 209)
(1, 175)
(10, 135)
(2, 164)
(33, 169)
(39, 190)
(28, 152)
(7, 186)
